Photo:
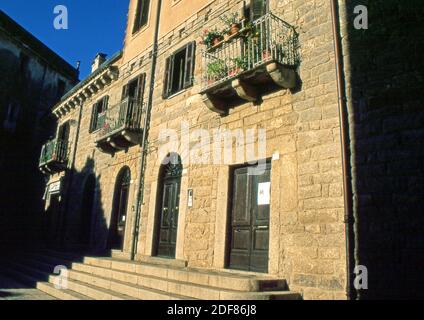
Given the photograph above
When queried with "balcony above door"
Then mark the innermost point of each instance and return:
(122, 126)
(261, 59)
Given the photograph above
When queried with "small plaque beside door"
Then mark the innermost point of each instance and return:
(190, 198)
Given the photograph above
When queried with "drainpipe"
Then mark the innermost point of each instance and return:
(144, 143)
(71, 175)
(350, 233)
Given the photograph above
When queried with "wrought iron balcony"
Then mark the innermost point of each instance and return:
(263, 57)
(121, 126)
(54, 156)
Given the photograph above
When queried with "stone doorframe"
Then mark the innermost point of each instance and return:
(152, 215)
(223, 213)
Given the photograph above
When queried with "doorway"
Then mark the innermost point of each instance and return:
(249, 221)
(119, 210)
(168, 208)
(87, 210)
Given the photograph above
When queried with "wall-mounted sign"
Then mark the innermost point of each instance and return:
(55, 187)
(190, 198)
(264, 193)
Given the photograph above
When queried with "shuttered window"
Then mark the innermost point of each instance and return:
(179, 70)
(98, 110)
(258, 8)
(142, 14)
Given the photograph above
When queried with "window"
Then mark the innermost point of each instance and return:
(134, 89)
(98, 114)
(256, 9)
(179, 70)
(142, 14)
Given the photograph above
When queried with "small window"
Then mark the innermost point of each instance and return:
(98, 114)
(142, 14)
(179, 70)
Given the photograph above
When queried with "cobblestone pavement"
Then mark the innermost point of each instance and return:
(10, 289)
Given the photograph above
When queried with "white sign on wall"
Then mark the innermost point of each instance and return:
(55, 187)
(264, 194)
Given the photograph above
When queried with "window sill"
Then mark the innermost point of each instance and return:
(176, 94)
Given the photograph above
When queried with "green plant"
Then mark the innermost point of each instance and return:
(210, 36)
(241, 62)
(230, 19)
(216, 69)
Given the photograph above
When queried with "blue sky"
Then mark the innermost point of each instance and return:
(94, 26)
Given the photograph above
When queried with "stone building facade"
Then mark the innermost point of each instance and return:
(32, 79)
(161, 99)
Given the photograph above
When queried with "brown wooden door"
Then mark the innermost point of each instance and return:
(249, 238)
(168, 226)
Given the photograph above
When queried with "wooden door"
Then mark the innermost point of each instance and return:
(119, 214)
(168, 226)
(249, 230)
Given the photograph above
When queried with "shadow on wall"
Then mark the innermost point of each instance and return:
(71, 230)
(83, 225)
(387, 134)
(22, 98)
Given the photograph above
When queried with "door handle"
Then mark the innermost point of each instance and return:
(262, 227)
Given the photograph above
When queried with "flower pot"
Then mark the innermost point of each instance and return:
(235, 28)
(234, 71)
(216, 41)
(266, 55)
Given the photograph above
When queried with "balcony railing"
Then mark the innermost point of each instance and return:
(121, 125)
(54, 155)
(269, 46)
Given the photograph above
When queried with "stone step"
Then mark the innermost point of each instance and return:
(38, 278)
(48, 288)
(220, 280)
(134, 290)
(62, 294)
(109, 278)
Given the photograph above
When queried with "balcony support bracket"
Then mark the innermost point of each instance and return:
(114, 144)
(244, 90)
(214, 104)
(282, 76)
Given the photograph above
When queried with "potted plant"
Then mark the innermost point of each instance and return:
(211, 38)
(239, 64)
(232, 22)
(215, 70)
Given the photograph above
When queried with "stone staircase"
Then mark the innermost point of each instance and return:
(99, 278)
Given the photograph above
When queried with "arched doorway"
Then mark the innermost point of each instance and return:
(168, 207)
(119, 210)
(87, 210)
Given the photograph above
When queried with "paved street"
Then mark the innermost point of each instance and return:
(13, 290)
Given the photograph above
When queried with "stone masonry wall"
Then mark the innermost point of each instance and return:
(307, 227)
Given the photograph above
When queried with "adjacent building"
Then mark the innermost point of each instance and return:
(32, 79)
(267, 151)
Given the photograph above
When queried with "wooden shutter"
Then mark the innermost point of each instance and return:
(125, 92)
(168, 77)
(140, 87)
(258, 8)
(144, 12)
(105, 102)
(189, 64)
(93, 122)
